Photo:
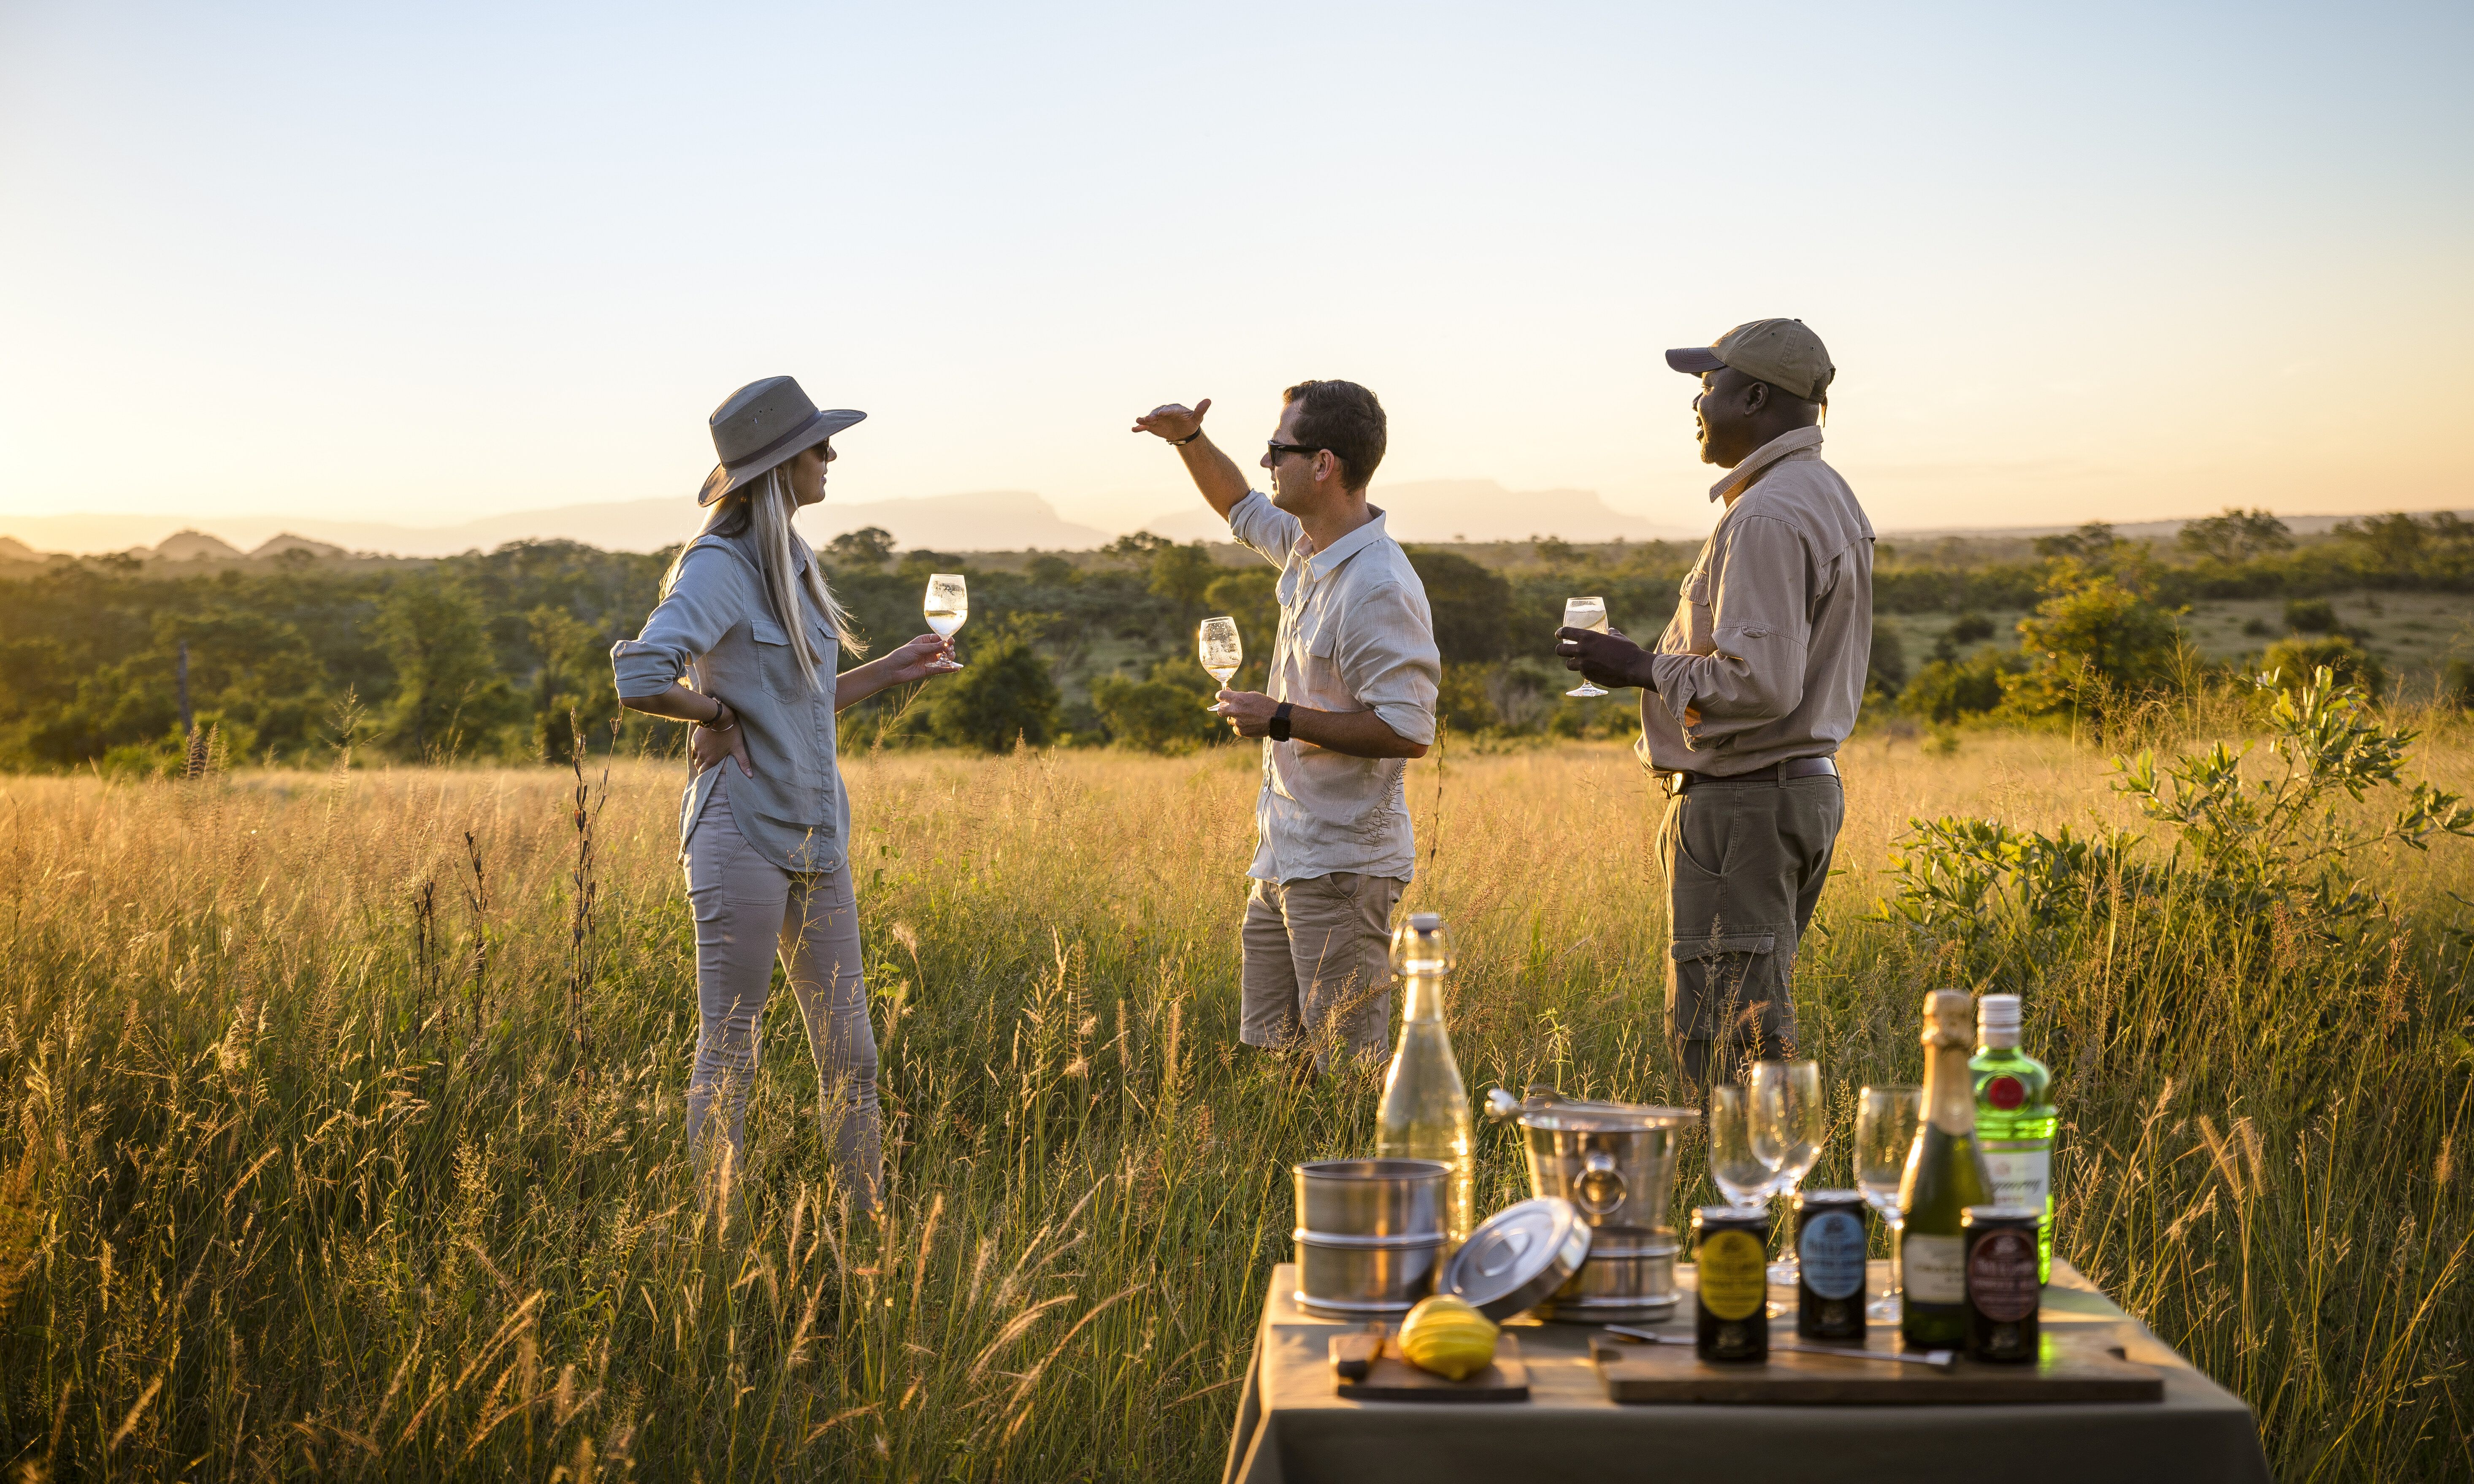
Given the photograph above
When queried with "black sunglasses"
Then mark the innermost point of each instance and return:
(1278, 447)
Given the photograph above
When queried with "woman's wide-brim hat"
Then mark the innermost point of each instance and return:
(762, 424)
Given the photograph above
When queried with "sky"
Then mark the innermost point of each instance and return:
(428, 263)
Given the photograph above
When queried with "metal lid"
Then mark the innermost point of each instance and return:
(1544, 1108)
(1973, 1215)
(1518, 1257)
(1731, 1217)
(1812, 1198)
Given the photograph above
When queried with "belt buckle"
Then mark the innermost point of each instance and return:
(1674, 783)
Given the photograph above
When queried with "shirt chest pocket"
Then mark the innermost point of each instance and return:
(1692, 611)
(1318, 651)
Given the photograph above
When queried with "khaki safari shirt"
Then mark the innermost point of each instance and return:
(1355, 635)
(1773, 630)
(717, 626)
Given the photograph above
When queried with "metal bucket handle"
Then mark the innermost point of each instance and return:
(1599, 1187)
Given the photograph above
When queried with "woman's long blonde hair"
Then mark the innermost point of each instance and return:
(766, 506)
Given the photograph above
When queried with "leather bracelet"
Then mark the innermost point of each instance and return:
(725, 710)
(1179, 443)
(1279, 728)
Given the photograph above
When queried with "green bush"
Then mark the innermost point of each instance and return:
(2311, 616)
(2294, 659)
(1885, 668)
(1004, 695)
(1155, 715)
(1946, 692)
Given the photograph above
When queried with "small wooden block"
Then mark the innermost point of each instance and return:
(2074, 1367)
(1391, 1378)
(1352, 1355)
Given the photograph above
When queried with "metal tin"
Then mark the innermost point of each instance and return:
(1830, 1264)
(1615, 1162)
(1369, 1234)
(1732, 1320)
(2004, 1293)
(1517, 1256)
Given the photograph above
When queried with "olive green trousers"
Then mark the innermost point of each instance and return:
(1745, 864)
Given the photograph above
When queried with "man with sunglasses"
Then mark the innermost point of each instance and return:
(1748, 694)
(1351, 700)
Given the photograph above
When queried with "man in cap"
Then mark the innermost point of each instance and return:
(1351, 700)
(1748, 694)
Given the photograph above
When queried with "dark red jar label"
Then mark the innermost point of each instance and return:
(2005, 1093)
(2001, 1276)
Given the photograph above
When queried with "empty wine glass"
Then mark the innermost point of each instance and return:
(1585, 613)
(1887, 1120)
(947, 605)
(1217, 645)
(1789, 1124)
(1736, 1162)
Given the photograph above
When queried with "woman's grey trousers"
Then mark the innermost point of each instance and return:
(747, 909)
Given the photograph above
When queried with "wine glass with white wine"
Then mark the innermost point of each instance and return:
(1217, 645)
(1585, 613)
(947, 605)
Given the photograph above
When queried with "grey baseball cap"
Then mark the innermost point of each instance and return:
(1781, 352)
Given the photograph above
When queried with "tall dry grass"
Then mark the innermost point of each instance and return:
(329, 1147)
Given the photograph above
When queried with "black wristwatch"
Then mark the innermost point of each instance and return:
(1281, 723)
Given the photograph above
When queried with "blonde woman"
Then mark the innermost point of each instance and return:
(764, 829)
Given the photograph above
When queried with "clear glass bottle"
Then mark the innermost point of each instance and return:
(2015, 1119)
(1426, 1112)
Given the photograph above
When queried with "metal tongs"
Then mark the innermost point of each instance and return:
(1937, 1359)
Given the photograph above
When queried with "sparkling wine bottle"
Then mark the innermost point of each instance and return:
(1426, 1112)
(1945, 1175)
(2015, 1118)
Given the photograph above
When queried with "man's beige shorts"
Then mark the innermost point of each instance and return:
(1319, 964)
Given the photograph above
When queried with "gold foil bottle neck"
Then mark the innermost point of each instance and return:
(1949, 1019)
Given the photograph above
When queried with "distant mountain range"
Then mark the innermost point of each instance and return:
(1442, 510)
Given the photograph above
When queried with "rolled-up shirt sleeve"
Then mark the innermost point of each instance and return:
(686, 624)
(1760, 627)
(1387, 658)
(1263, 528)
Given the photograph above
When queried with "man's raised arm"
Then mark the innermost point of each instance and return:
(1215, 473)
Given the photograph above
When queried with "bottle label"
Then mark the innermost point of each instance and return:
(1733, 1279)
(1831, 1249)
(2002, 1276)
(1933, 1269)
(2022, 1175)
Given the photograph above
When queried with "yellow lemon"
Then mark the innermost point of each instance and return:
(1448, 1337)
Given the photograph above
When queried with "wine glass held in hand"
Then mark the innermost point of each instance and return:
(1736, 1166)
(1585, 613)
(947, 605)
(1217, 645)
(1788, 1127)
(1886, 1120)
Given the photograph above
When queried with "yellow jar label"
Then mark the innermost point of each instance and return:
(1735, 1280)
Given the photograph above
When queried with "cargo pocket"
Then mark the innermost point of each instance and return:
(1724, 985)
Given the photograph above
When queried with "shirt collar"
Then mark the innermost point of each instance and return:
(1742, 475)
(1322, 564)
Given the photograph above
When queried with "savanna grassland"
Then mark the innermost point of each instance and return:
(341, 1126)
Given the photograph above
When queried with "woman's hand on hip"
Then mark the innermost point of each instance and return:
(710, 747)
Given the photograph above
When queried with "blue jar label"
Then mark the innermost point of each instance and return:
(1832, 1251)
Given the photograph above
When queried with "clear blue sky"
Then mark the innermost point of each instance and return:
(419, 263)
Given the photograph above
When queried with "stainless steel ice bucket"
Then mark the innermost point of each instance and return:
(1369, 1235)
(1616, 1162)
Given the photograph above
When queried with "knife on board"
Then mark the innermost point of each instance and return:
(1944, 1360)
(1353, 1354)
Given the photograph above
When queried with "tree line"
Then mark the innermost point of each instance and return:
(503, 656)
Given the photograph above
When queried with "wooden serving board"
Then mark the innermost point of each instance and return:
(2075, 1368)
(1391, 1378)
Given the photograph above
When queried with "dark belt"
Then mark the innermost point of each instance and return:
(1776, 773)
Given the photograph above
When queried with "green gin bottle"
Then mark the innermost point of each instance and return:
(1945, 1175)
(2015, 1119)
